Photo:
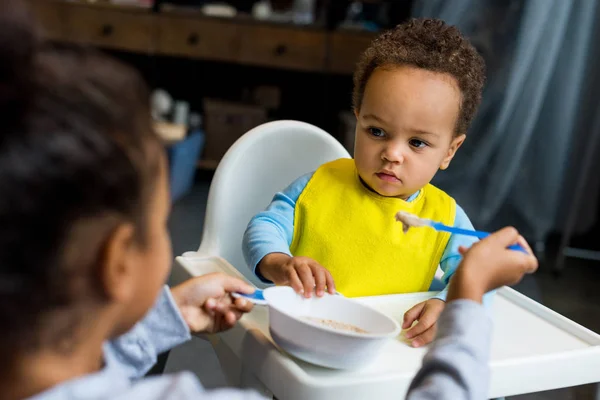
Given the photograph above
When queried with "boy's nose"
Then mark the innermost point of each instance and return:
(393, 154)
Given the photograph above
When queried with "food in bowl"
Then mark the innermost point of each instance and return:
(330, 348)
(342, 326)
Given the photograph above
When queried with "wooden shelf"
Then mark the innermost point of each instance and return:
(103, 4)
(174, 32)
(179, 32)
(240, 18)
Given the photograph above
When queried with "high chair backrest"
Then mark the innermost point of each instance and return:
(262, 162)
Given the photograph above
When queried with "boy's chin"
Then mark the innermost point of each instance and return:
(385, 190)
(389, 190)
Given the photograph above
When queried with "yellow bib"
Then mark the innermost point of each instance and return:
(352, 232)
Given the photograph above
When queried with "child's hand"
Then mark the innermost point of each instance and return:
(206, 304)
(303, 274)
(427, 313)
(489, 264)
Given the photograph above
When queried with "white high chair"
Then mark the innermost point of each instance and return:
(262, 162)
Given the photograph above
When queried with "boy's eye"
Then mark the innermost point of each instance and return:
(376, 132)
(419, 144)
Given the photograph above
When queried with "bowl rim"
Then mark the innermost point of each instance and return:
(393, 333)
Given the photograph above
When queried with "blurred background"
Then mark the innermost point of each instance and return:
(218, 69)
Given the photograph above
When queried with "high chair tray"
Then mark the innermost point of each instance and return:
(534, 349)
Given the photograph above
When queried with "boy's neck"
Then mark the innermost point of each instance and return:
(39, 371)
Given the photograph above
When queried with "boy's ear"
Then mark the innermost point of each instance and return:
(116, 270)
(454, 145)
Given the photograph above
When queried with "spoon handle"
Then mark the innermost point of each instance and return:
(257, 297)
(478, 234)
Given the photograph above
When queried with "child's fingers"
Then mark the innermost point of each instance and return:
(226, 319)
(220, 308)
(462, 250)
(235, 316)
(412, 315)
(426, 321)
(330, 282)
(425, 337)
(306, 276)
(319, 276)
(532, 264)
(210, 304)
(528, 262)
(230, 319)
(504, 237)
(521, 264)
(233, 284)
(521, 241)
(243, 305)
(295, 281)
(219, 304)
(238, 307)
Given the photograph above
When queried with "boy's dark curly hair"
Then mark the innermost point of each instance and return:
(429, 44)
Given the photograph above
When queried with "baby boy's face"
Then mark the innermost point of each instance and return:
(405, 129)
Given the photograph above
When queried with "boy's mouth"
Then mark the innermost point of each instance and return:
(388, 177)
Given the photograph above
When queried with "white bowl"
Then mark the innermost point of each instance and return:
(319, 344)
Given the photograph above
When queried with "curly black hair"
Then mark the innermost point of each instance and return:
(429, 44)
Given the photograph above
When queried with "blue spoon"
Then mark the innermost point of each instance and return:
(409, 220)
(257, 297)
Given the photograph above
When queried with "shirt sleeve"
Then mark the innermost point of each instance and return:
(456, 366)
(163, 328)
(451, 258)
(272, 230)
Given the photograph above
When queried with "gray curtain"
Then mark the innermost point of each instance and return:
(513, 167)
